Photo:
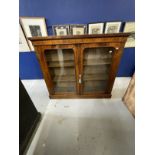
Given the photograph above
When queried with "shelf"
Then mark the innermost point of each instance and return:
(59, 55)
(61, 64)
(91, 89)
(65, 78)
(96, 86)
(56, 58)
(67, 89)
(65, 84)
(97, 70)
(92, 77)
(94, 57)
(62, 71)
(98, 52)
(96, 63)
(94, 83)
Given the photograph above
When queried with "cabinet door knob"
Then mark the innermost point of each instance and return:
(117, 48)
(80, 81)
(110, 52)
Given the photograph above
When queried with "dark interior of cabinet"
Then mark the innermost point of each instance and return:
(96, 66)
(62, 69)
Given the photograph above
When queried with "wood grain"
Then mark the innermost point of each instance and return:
(86, 69)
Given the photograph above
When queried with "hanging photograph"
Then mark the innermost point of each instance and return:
(35, 30)
(78, 29)
(95, 28)
(130, 27)
(23, 44)
(33, 27)
(112, 27)
(60, 30)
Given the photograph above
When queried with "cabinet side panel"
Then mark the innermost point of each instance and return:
(41, 58)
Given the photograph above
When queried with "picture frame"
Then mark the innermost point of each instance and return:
(78, 29)
(129, 27)
(23, 42)
(112, 27)
(95, 28)
(61, 30)
(33, 27)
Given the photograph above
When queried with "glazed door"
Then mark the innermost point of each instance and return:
(96, 60)
(62, 66)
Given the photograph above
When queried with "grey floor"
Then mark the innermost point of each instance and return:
(86, 127)
(38, 92)
(83, 127)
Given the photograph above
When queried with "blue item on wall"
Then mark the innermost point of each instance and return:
(29, 66)
(76, 12)
(127, 64)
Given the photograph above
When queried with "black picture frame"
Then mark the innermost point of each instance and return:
(65, 30)
(113, 29)
(72, 26)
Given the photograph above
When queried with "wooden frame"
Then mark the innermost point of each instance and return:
(78, 43)
(78, 29)
(38, 27)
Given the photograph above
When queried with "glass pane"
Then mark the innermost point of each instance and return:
(97, 62)
(62, 69)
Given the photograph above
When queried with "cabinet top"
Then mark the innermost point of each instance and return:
(80, 36)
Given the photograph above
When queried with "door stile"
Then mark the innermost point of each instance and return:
(114, 66)
(77, 68)
(81, 65)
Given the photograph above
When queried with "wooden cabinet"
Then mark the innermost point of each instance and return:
(81, 66)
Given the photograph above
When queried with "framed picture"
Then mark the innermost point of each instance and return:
(23, 44)
(113, 27)
(130, 27)
(78, 29)
(33, 27)
(60, 30)
(95, 28)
